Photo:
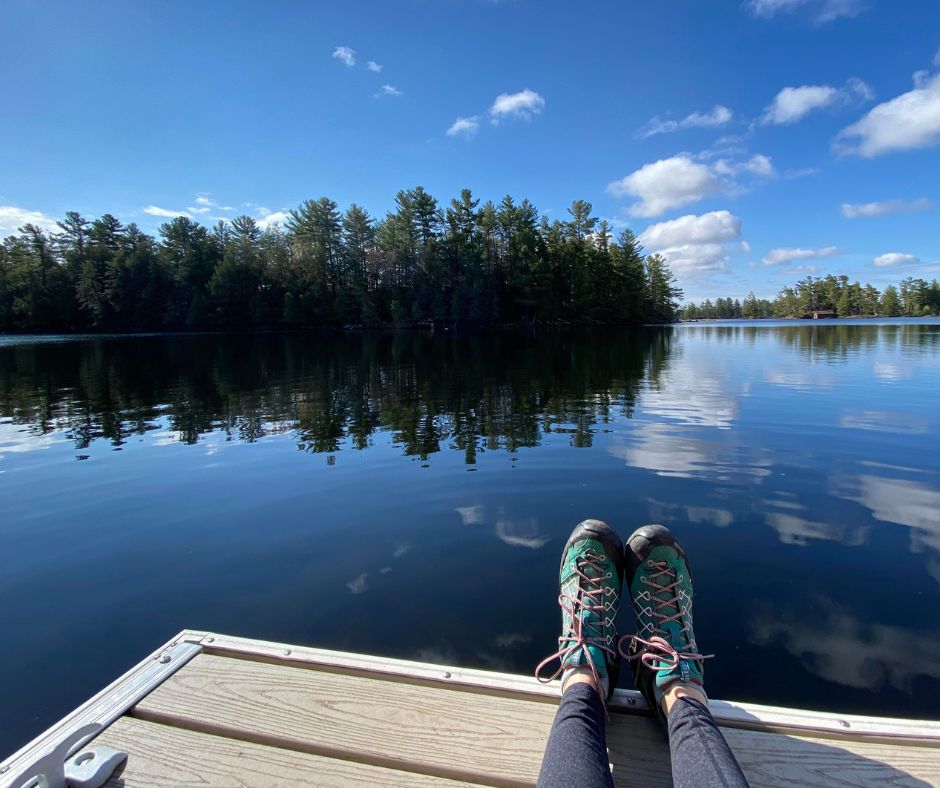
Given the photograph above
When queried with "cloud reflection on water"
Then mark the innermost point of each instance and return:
(840, 648)
(520, 533)
(16, 439)
(884, 421)
(668, 450)
(914, 504)
(793, 529)
(470, 515)
(671, 512)
(696, 394)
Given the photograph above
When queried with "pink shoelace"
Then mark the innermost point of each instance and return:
(657, 648)
(581, 635)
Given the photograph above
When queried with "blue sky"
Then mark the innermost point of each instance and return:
(751, 142)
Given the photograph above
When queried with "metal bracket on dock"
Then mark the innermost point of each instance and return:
(58, 758)
(89, 768)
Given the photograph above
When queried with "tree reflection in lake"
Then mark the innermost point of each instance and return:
(500, 391)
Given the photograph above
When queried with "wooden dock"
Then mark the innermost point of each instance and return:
(210, 710)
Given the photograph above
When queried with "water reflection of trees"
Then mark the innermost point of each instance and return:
(471, 394)
(830, 341)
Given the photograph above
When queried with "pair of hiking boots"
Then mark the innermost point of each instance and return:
(594, 565)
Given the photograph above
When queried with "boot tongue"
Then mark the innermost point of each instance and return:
(590, 627)
(580, 660)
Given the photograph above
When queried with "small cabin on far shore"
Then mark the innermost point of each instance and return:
(822, 314)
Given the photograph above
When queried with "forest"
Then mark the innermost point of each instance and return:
(465, 264)
(911, 298)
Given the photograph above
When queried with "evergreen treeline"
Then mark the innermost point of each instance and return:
(465, 263)
(911, 298)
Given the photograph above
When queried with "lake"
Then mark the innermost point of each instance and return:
(409, 495)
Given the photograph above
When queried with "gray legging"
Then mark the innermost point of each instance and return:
(576, 753)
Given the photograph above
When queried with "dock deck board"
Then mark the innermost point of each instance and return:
(251, 713)
(167, 757)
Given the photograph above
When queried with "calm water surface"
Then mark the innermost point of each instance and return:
(409, 496)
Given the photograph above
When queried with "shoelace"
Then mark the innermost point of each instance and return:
(657, 649)
(589, 598)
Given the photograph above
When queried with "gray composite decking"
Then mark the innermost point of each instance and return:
(211, 710)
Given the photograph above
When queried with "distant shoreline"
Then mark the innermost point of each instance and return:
(326, 331)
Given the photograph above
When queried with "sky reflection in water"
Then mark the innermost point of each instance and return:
(408, 496)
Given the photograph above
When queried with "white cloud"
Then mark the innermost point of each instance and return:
(717, 116)
(388, 90)
(906, 122)
(822, 11)
(788, 255)
(466, 126)
(683, 179)
(759, 165)
(836, 9)
(768, 8)
(666, 184)
(858, 88)
(894, 258)
(691, 261)
(792, 104)
(373, 66)
(713, 227)
(694, 245)
(867, 210)
(166, 213)
(345, 55)
(204, 204)
(523, 104)
(12, 218)
(267, 218)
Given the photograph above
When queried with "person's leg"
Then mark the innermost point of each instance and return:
(667, 665)
(700, 754)
(588, 660)
(576, 752)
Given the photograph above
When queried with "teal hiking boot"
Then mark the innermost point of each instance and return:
(590, 577)
(664, 650)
